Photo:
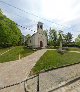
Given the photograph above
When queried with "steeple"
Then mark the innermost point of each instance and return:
(39, 27)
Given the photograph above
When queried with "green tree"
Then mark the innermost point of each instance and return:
(46, 34)
(77, 40)
(27, 38)
(53, 36)
(10, 34)
(68, 37)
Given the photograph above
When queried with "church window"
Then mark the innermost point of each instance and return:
(38, 26)
(41, 26)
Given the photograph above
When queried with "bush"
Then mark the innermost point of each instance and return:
(61, 51)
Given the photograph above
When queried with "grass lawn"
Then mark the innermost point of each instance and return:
(3, 50)
(52, 59)
(74, 49)
(14, 54)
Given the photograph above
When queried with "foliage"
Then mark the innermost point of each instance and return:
(50, 42)
(77, 40)
(59, 39)
(45, 33)
(10, 34)
(51, 60)
(27, 38)
(68, 38)
(53, 36)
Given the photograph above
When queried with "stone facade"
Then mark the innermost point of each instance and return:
(38, 39)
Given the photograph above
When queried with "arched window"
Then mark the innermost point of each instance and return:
(38, 26)
(41, 26)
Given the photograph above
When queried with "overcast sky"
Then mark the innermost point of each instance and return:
(64, 14)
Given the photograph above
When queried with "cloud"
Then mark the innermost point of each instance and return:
(61, 12)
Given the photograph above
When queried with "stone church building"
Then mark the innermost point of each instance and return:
(38, 39)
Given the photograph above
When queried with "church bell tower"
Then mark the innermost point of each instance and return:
(39, 27)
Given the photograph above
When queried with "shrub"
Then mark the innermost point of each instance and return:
(61, 51)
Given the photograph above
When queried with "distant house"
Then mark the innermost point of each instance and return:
(38, 39)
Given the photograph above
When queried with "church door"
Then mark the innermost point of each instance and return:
(41, 44)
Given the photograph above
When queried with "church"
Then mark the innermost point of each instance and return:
(38, 39)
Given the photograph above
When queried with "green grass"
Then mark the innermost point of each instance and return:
(14, 54)
(52, 59)
(3, 50)
(74, 49)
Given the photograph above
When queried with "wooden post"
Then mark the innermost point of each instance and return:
(19, 56)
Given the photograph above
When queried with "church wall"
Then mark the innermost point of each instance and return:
(31, 41)
(38, 39)
(34, 41)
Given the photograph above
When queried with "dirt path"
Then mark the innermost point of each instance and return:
(75, 51)
(16, 71)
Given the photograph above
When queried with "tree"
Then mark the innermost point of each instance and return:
(53, 36)
(45, 33)
(10, 34)
(0, 11)
(28, 36)
(77, 40)
(68, 37)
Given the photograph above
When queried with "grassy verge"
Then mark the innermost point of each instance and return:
(74, 49)
(14, 54)
(52, 59)
(4, 49)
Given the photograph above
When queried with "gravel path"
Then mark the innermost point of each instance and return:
(65, 79)
(75, 51)
(16, 71)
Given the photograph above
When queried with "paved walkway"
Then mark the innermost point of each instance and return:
(65, 79)
(16, 71)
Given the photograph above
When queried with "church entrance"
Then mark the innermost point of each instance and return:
(41, 44)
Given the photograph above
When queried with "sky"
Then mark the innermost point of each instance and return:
(58, 14)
